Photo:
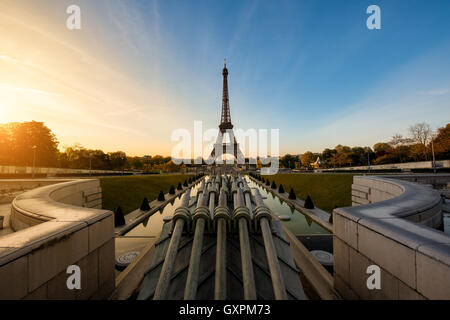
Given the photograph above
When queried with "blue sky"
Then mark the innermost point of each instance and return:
(310, 68)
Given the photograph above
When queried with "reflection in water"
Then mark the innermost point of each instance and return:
(151, 226)
(299, 223)
(144, 223)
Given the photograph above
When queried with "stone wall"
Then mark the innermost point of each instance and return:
(401, 199)
(437, 181)
(46, 203)
(51, 172)
(388, 226)
(404, 166)
(54, 235)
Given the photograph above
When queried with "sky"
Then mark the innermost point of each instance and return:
(138, 70)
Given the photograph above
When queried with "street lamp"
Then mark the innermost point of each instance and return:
(34, 160)
(90, 163)
(123, 164)
(432, 151)
(334, 162)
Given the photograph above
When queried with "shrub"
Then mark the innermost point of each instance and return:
(309, 203)
(281, 189)
(292, 195)
(267, 182)
(185, 183)
(144, 205)
(274, 185)
(172, 190)
(330, 220)
(161, 196)
(119, 219)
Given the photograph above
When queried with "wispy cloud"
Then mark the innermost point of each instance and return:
(436, 92)
(29, 90)
(121, 112)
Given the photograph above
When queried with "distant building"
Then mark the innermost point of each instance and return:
(317, 164)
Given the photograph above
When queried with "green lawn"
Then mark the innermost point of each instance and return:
(128, 192)
(326, 190)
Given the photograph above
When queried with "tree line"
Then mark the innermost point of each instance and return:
(32, 143)
(417, 146)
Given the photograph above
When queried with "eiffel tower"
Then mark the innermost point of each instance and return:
(221, 147)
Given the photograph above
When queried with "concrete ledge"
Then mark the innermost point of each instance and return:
(394, 234)
(55, 231)
(389, 198)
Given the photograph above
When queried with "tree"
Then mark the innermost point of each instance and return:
(135, 163)
(307, 158)
(329, 157)
(442, 142)
(292, 195)
(418, 152)
(358, 156)
(144, 205)
(288, 161)
(399, 148)
(119, 218)
(399, 140)
(308, 203)
(155, 160)
(171, 167)
(4, 145)
(420, 132)
(21, 137)
(118, 160)
(381, 148)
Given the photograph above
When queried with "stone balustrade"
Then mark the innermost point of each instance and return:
(390, 225)
(51, 172)
(57, 226)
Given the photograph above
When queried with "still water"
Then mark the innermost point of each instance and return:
(151, 226)
(298, 225)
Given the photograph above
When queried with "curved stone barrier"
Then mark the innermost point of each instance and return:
(391, 229)
(57, 201)
(400, 199)
(54, 231)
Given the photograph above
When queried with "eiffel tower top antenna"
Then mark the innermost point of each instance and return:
(225, 122)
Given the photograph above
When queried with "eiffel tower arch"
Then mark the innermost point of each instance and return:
(226, 127)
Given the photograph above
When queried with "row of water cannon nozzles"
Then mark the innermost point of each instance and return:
(226, 197)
